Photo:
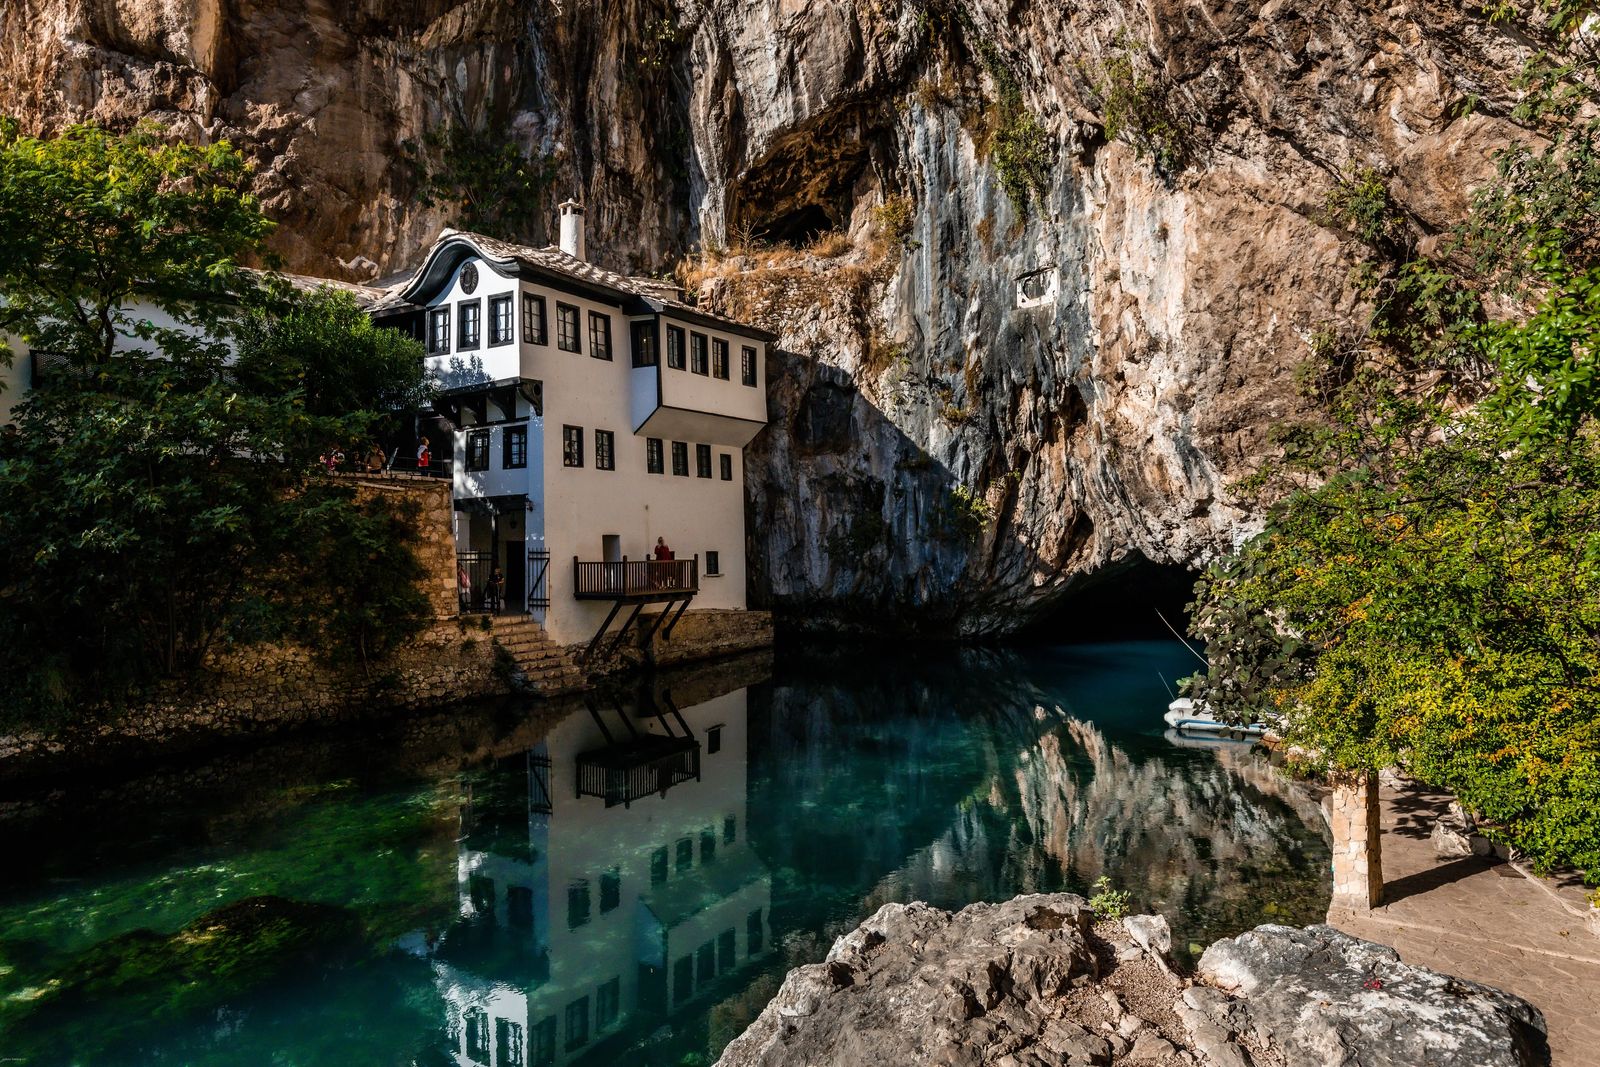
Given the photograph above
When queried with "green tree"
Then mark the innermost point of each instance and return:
(1427, 591)
(159, 495)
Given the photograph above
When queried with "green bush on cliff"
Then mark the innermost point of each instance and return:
(158, 495)
(1427, 591)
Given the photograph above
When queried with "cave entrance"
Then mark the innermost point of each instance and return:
(1124, 601)
(797, 228)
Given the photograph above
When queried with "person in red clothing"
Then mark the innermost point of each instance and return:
(664, 576)
(662, 551)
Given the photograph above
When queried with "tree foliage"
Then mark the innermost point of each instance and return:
(159, 490)
(1427, 591)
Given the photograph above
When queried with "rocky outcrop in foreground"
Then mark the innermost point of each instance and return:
(1037, 981)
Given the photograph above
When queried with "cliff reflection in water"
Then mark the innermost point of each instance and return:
(641, 879)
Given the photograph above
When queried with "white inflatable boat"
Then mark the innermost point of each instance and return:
(1185, 716)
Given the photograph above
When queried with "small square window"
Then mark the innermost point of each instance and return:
(719, 359)
(702, 461)
(680, 459)
(577, 904)
(533, 331)
(599, 335)
(500, 320)
(478, 450)
(697, 353)
(438, 331)
(727, 467)
(654, 460)
(605, 450)
(567, 338)
(610, 890)
(572, 446)
(644, 343)
(577, 1023)
(515, 449)
(747, 365)
(467, 334)
(713, 562)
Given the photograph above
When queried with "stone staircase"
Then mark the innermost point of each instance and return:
(545, 666)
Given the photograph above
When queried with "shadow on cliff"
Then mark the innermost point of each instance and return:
(855, 528)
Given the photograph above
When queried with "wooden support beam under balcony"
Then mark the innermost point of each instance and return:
(641, 581)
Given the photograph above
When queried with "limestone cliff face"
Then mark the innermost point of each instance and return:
(939, 457)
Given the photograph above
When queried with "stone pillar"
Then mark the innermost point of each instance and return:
(1357, 844)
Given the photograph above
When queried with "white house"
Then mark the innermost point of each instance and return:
(587, 416)
(606, 879)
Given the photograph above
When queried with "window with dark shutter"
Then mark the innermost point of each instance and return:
(599, 335)
(713, 567)
(644, 343)
(500, 320)
(533, 330)
(727, 467)
(439, 331)
(467, 336)
(567, 338)
(478, 450)
(515, 451)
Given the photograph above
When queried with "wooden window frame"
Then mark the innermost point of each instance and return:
(600, 343)
(677, 355)
(561, 327)
(519, 434)
(719, 359)
(572, 446)
(462, 320)
(702, 461)
(605, 450)
(477, 450)
(699, 353)
(747, 365)
(655, 456)
(533, 314)
(437, 316)
(680, 459)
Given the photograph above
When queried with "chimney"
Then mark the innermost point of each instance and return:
(572, 229)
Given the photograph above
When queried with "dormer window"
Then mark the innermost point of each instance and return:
(469, 334)
(439, 331)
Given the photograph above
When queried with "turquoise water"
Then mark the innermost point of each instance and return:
(441, 892)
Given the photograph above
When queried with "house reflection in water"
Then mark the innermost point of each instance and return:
(606, 882)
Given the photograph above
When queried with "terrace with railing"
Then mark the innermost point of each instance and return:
(636, 579)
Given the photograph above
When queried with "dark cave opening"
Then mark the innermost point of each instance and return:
(1126, 600)
(798, 228)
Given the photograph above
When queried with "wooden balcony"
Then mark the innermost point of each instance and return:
(638, 580)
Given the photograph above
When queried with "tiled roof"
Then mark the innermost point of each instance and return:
(660, 295)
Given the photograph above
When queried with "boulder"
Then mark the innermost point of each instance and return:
(1151, 933)
(1324, 999)
(1455, 834)
(915, 985)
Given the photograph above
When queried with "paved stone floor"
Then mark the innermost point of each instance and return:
(1482, 920)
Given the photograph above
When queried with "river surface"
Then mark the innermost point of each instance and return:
(509, 886)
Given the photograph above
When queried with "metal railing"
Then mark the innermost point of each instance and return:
(625, 773)
(538, 579)
(636, 577)
(474, 584)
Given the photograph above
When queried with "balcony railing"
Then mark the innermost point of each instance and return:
(622, 773)
(655, 578)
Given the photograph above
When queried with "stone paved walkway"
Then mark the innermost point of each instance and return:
(1482, 920)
